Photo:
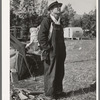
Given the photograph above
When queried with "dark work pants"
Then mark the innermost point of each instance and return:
(53, 75)
(54, 68)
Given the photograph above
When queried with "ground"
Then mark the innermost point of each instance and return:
(80, 72)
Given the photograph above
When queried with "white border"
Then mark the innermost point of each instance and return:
(5, 50)
(97, 54)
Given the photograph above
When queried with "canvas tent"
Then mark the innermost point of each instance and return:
(18, 61)
(73, 32)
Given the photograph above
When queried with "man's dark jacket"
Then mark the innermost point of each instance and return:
(55, 48)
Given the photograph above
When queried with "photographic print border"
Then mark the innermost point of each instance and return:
(5, 50)
(4, 57)
(0, 50)
(98, 72)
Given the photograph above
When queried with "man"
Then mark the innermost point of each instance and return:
(54, 51)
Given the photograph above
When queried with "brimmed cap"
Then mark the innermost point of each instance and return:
(56, 3)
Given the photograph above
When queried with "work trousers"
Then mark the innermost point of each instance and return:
(54, 66)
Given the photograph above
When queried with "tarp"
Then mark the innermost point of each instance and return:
(18, 61)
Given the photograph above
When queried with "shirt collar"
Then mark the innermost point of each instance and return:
(54, 19)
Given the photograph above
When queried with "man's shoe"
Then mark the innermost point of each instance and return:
(46, 97)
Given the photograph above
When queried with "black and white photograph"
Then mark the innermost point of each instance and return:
(52, 50)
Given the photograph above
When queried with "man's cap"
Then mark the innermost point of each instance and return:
(56, 3)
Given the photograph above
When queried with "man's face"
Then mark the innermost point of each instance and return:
(56, 10)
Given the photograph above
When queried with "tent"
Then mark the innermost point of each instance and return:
(18, 59)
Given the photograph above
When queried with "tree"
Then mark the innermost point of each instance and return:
(14, 5)
(89, 22)
(77, 22)
(67, 15)
(14, 18)
(43, 8)
(27, 13)
(28, 10)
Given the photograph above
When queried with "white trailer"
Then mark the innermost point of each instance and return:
(73, 32)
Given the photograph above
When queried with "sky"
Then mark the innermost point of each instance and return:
(80, 6)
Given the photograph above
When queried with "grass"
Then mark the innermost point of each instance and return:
(80, 72)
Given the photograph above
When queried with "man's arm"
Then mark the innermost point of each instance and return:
(43, 34)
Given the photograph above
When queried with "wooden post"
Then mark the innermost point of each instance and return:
(14, 76)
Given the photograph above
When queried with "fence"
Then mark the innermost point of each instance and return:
(21, 33)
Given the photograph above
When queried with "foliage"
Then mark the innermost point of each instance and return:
(67, 15)
(89, 20)
(14, 5)
(77, 22)
(28, 13)
(43, 8)
(89, 23)
(30, 10)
